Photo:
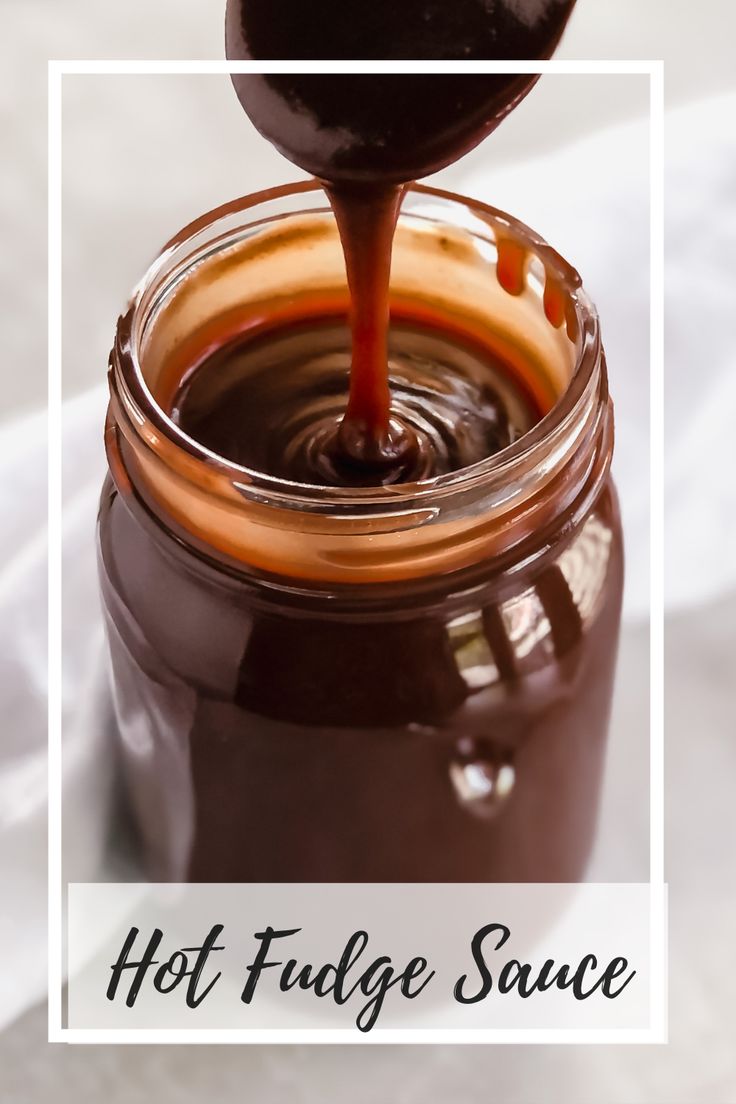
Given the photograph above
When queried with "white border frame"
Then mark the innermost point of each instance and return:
(657, 1031)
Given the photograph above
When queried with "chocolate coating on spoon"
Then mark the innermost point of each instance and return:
(395, 126)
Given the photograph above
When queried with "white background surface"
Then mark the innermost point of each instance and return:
(699, 1064)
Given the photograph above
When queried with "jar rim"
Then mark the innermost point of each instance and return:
(264, 488)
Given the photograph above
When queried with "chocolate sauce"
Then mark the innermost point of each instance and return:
(390, 126)
(451, 731)
(365, 136)
(440, 725)
(368, 436)
(274, 403)
(332, 721)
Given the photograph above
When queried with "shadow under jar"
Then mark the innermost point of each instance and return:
(404, 683)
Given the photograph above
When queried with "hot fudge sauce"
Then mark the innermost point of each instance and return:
(396, 126)
(333, 681)
(362, 581)
(275, 403)
(366, 136)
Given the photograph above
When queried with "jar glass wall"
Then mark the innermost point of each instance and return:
(404, 683)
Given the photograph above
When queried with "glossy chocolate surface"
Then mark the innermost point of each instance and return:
(276, 403)
(449, 730)
(444, 728)
(367, 135)
(392, 126)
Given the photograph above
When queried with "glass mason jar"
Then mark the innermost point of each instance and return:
(404, 683)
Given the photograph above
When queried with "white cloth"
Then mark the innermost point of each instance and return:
(606, 234)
